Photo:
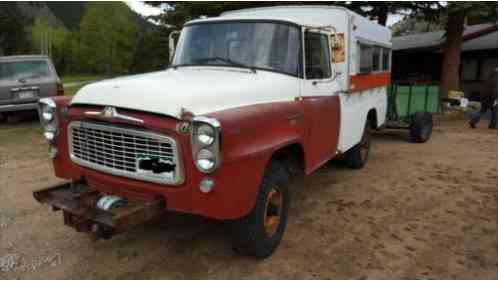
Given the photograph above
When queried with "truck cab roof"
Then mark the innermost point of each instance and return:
(311, 16)
(299, 15)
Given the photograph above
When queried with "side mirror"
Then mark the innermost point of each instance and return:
(172, 44)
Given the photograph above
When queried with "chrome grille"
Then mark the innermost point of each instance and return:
(120, 151)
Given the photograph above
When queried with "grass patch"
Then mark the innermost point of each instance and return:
(71, 91)
(81, 77)
(27, 129)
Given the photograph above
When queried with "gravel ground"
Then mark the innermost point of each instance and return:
(415, 211)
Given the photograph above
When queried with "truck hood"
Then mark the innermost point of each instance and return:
(200, 90)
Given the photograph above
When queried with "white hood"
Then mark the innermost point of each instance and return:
(200, 90)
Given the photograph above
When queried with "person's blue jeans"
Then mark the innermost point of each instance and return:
(478, 115)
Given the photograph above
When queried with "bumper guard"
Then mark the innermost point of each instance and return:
(78, 203)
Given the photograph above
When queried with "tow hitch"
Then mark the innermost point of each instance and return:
(92, 212)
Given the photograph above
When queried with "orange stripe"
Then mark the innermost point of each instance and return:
(369, 81)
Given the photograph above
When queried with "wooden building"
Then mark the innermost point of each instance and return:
(418, 58)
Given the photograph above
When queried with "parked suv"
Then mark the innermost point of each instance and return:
(24, 80)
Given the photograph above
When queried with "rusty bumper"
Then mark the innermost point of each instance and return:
(78, 203)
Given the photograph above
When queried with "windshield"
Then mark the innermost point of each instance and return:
(23, 70)
(258, 45)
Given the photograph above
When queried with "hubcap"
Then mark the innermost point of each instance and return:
(273, 211)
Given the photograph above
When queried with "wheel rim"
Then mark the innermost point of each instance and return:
(273, 211)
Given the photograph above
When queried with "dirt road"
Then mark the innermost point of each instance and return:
(415, 211)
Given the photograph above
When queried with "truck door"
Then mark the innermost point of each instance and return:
(321, 103)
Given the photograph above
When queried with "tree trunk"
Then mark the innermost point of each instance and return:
(450, 76)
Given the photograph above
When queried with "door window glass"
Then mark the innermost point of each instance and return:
(317, 56)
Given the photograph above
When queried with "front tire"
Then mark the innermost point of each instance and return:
(357, 157)
(421, 127)
(259, 233)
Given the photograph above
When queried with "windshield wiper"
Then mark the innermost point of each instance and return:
(229, 61)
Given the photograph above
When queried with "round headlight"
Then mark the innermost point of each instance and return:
(50, 127)
(50, 132)
(205, 160)
(47, 114)
(205, 135)
(49, 136)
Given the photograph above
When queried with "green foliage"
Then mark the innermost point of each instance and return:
(13, 36)
(153, 51)
(487, 10)
(80, 78)
(71, 91)
(98, 37)
(413, 25)
(107, 38)
(433, 18)
(42, 29)
(70, 13)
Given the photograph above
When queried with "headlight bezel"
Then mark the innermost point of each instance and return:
(46, 107)
(199, 128)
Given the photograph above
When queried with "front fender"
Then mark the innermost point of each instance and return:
(250, 137)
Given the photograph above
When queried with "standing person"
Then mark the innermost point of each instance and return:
(488, 101)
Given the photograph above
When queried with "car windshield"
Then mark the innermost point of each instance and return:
(257, 45)
(23, 70)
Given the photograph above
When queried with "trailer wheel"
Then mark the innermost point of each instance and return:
(421, 127)
(357, 157)
(259, 233)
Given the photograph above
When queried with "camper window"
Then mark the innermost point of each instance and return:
(373, 58)
(366, 58)
(376, 59)
(317, 55)
(386, 54)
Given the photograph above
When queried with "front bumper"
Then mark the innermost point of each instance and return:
(78, 203)
(18, 107)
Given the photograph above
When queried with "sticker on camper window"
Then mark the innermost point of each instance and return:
(338, 48)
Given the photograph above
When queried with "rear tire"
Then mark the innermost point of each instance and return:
(421, 127)
(259, 233)
(357, 157)
(2, 118)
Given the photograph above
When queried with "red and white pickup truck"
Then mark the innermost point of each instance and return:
(251, 97)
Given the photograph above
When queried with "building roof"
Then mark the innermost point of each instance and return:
(476, 37)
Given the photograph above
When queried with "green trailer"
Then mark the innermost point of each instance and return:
(411, 107)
